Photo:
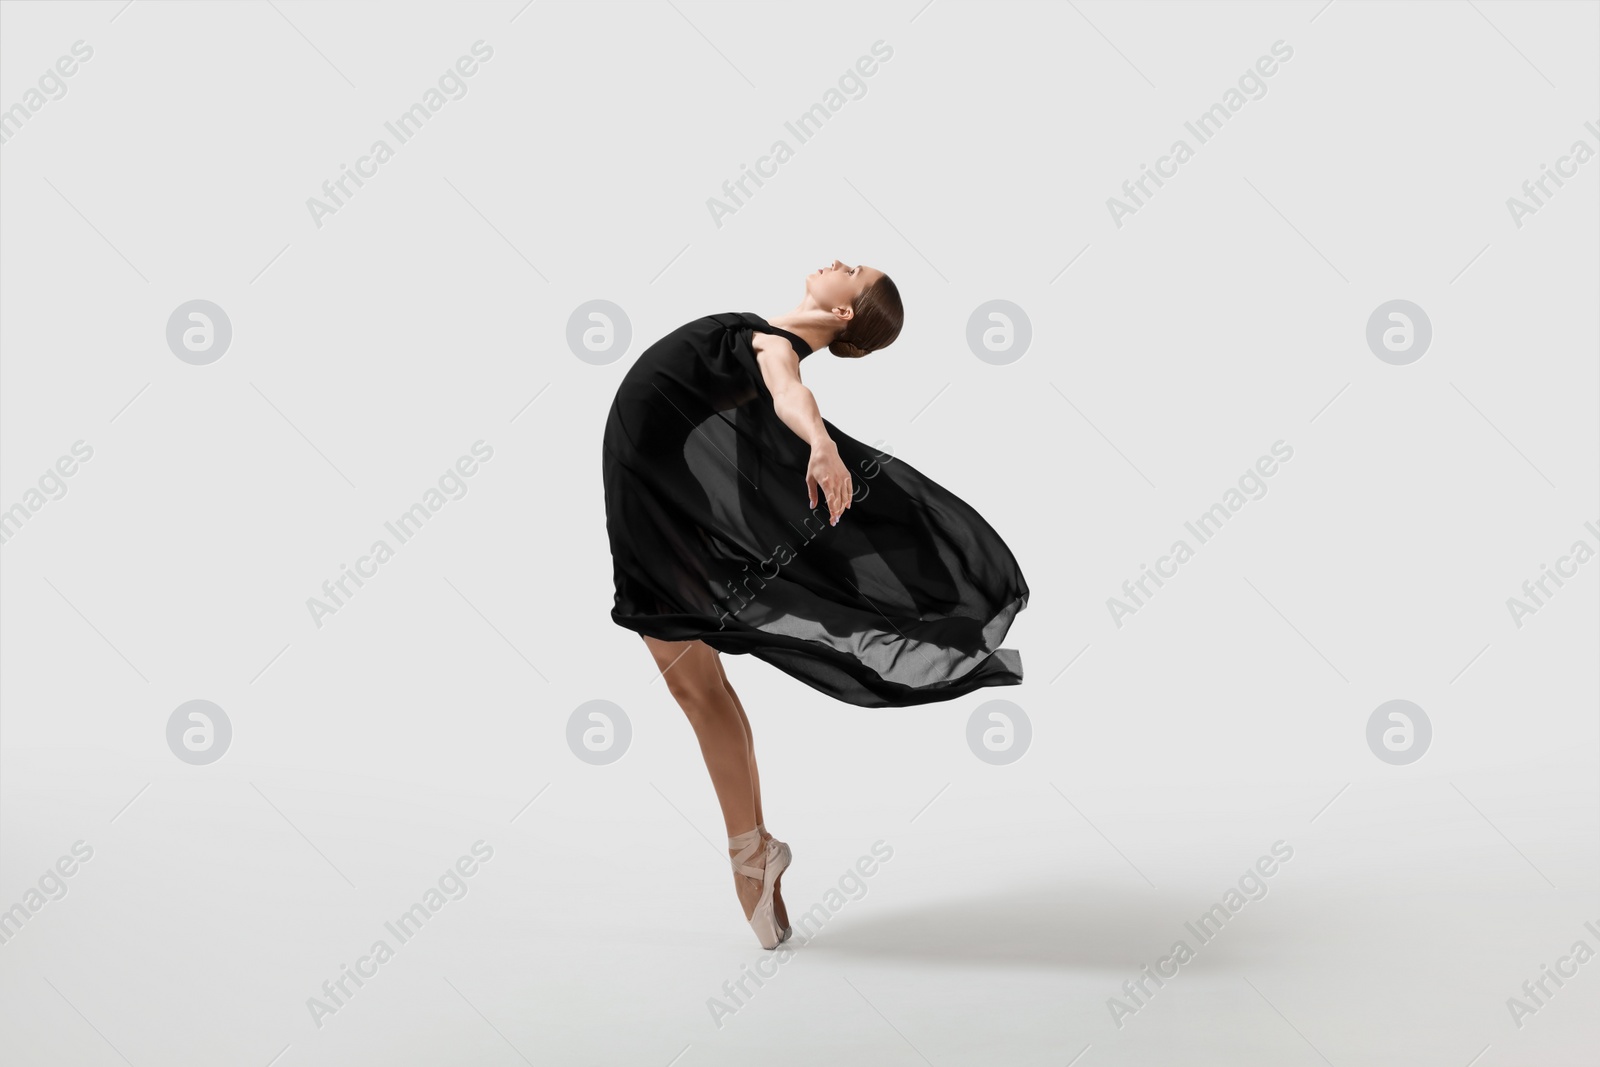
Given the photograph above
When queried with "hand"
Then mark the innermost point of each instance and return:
(827, 470)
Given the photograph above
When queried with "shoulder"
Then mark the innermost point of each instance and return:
(776, 358)
(777, 361)
(777, 344)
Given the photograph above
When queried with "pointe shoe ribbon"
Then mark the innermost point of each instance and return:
(784, 932)
(748, 844)
(763, 918)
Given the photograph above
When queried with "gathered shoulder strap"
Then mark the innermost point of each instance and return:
(761, 325)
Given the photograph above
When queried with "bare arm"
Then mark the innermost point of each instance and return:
(797, 408)
(780, 369)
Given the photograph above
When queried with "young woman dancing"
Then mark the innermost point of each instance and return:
(895, 592)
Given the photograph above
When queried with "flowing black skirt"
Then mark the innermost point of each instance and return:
(904, 602)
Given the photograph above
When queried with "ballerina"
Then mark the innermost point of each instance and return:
(895, 593)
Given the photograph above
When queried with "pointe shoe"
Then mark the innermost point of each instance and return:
(778, 910)
(763, 918)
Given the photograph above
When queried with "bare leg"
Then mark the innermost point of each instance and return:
(695, 681)
(755, 775)
(755, 782)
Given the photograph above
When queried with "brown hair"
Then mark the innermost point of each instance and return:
(876, 322)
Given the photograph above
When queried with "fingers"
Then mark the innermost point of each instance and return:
(838, 491)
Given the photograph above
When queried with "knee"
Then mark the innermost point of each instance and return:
(694, 692)
(706, 704)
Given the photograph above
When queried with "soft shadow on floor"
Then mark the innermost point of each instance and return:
(1068, 925)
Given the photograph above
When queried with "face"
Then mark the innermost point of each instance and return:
(839, 284)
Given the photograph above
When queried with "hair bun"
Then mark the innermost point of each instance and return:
(847, 349)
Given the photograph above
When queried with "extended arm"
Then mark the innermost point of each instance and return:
(797, 408)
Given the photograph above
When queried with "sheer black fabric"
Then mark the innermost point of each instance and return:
(904, 602)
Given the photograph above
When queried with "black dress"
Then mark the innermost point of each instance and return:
(904, 602)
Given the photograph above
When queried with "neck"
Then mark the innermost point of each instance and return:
(815, 326)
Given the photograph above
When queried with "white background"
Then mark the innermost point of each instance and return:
(1167, 355)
